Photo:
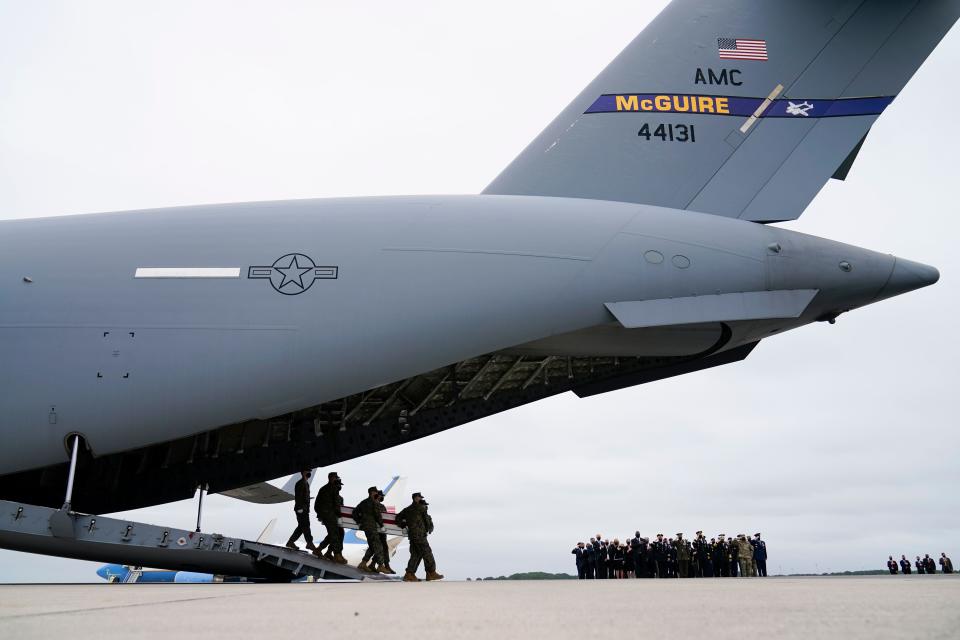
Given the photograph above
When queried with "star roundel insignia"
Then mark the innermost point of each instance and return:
(292, 274)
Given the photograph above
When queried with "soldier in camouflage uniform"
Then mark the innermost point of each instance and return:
(369, 518)
(327, 507)
(368, 554)
(733, 549)
(683, 556)
(418, 523)
(745, 556)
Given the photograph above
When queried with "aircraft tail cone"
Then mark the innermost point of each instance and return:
(908, 276)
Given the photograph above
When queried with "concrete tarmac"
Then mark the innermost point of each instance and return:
(874, 607)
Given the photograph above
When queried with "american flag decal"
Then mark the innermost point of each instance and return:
(742, 49)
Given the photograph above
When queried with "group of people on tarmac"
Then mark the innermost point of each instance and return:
(637, 557)
(926, 564)
(369, 518)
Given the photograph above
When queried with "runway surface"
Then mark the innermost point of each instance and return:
(869, 607)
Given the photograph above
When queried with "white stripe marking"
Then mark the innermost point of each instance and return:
(187, 272)
(763, 107)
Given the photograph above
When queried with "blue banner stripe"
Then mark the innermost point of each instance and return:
(738, 106)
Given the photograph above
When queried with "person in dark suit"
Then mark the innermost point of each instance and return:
(639, 556)
(946, 565)
(928, 564)
(892, 566)
(590, 561)
(603, 561)
(921, 567)
(600, 549)
(904, 565)
(579, 552)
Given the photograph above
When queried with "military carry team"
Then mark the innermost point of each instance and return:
(369, 518)
(671, 558)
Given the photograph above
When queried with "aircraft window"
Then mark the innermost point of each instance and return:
(653, 257)
(681, 262)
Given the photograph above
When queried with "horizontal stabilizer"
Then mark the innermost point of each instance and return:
(260, 493)
(724, 307)
(266, 493)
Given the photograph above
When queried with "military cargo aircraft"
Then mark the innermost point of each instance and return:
(149, 353)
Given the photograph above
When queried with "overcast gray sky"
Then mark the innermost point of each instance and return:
(838, 442)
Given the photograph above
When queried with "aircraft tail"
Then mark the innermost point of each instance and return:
(267, 531)
(395, 493)
(740, 108)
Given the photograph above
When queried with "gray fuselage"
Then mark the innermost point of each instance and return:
(421, 282)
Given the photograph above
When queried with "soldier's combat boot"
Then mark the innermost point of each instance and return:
(433, 575)
(338, 557)
(410, 577)
(363, 566)
(386, 569)
(290, 545)
(311, 546)
(328, 555)
(318, 553)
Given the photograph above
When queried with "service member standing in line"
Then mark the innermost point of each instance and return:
(891, 565)
(418, 523)
(721, 565)
(745, 556)
(921, 567)
(327, 507)
(702, 549)
(368, 517)
(683, 556)
(928, 564)
(301, 507)
(734, 550)
(660, 556)
(760, 555)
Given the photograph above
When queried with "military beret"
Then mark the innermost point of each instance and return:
(373, 490)
(333, 475)
(417, 495)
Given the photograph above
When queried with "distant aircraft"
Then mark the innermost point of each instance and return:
(354, 542)
(220, 346)
(132, 574)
